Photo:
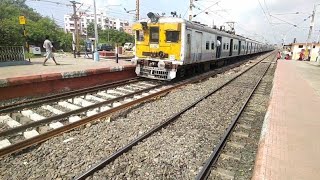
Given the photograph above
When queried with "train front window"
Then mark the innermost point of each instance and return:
(172, 36)
(139, 35)
(154, 34)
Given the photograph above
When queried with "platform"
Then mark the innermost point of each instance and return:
(36, 79)
(289, 147)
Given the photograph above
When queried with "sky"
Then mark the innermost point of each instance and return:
(272, 21)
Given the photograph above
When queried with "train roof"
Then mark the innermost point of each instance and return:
(199, 26)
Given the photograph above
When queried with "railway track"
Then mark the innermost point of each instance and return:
(229, 159)
(131, 144)
(28, 123)
(31, 122)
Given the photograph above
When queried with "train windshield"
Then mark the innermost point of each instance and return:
(139, 35)
(172, 36)
(154, 34)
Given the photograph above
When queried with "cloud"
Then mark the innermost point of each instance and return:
(251, 19)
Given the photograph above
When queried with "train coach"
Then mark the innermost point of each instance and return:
(168, 46)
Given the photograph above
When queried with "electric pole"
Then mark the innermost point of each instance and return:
(137, 10)
(96, 38)
(190, 10)
(310, 30)
(75, 19)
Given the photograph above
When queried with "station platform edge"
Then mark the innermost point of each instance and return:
(289, 146)
(39, 80)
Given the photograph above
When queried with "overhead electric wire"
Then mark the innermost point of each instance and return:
(206, 8)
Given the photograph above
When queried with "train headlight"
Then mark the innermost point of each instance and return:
(161, 65)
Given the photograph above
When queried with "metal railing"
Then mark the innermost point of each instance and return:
(12, 53)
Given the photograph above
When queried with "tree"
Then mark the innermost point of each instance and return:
(113, 36)
(90, 29)
(11, 33)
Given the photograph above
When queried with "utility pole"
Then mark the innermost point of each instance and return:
(75, 19)
(96, 53)
(190, 10)
(137, 10)
(310, 31)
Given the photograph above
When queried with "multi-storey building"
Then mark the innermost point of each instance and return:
(128, 29)
(86, 18)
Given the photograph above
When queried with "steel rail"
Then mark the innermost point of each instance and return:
(206, 170)
(64, 115)
(40, 138)
(134, 142)
(65, 95)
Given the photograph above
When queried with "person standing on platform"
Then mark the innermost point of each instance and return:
(301, 55)
(49, 54)
(279, 55)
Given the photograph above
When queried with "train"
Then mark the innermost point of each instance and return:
(169, 47)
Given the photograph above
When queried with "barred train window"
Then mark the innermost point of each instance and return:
(207, 45)
(173, 36)
(139, 35)
(212, 45)
(154, 34)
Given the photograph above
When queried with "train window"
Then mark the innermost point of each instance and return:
(207, 45)
(227, 46)
(139, 35)
(172, 36)
(212, 45)
(300, 46)
(224, 45)
(154, 34)
(314, 46)
(188, 38)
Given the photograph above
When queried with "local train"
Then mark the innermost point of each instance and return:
(166, 46)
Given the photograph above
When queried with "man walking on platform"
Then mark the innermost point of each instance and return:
(49, 54)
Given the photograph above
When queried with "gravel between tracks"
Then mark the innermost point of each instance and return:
(85, 147)
(179, 150)
(243, 169)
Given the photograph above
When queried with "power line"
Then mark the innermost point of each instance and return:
(269, 21)
(54, 2)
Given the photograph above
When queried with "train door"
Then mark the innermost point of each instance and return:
(239, 48)
(247, 50)
(198, 46)
(219, 44)
(231, 47)
(188, 49)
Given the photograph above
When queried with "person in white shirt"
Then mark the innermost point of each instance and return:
(49, 54)
(218, 48)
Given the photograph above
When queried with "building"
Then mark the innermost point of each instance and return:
(128, 30)
(86, 18)
(296, 48)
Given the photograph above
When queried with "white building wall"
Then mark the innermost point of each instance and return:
(103, 20)
(296, 49)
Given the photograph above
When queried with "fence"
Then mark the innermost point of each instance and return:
(11, 53)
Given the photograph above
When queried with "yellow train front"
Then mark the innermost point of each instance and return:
(158, 47)
(166, 45)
